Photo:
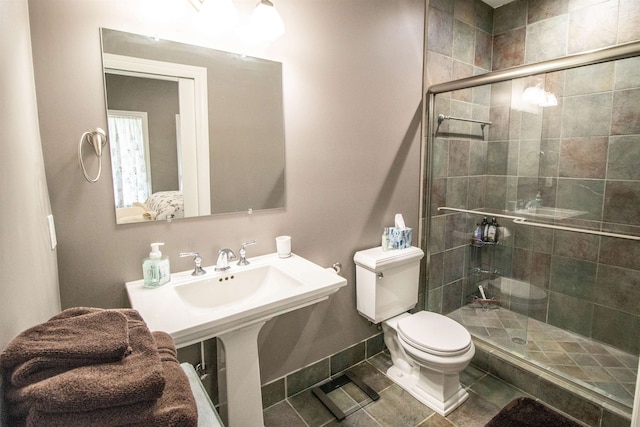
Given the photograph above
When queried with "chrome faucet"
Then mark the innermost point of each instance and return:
(534, 203)
(222, 264)
(243, 253)
(197, 270)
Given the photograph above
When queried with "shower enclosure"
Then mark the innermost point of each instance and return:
(552, 152)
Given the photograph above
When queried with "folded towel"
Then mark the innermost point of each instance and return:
(82, 334)
(166, 346)
(137, 377)
(176, 408)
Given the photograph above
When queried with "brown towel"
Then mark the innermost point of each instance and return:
(176, 408)
(166, 346)
(81, 335)
(138, 377)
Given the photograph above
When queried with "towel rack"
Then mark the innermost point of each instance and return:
(523, 221)
(442, 118)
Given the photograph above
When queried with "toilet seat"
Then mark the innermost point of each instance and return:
(434, 333)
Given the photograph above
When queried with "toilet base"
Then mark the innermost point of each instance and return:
(442, 393)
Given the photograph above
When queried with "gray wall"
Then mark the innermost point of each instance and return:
(352, 93)
(28, 270)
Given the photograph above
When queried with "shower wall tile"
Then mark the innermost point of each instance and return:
(462, 49)
(530, 126)
(434, 302)
(452, 296)
(482, 98)
(626, 115)
(570, 313)
(458, 157)
(457, 192)
(587, 115)
(436, 237)
(510, 16)
(529, 158)
(624, 157)
(464, 10)
(620, 253)
(496, 193)
(457, 231)
(629, 28)
(438, 195)
(440, 158)
(484, 16)
(576, 245)
(622, 202)
(497, 153)
(477, 192)
(546, 39)
(521, 264)
(544, 9)
(583, 22)
(618, 288)
(550, 159)
(508, 49)
(440, 32)
(439, 69)
(627, 75)
(436, 275)
(573, 277)
(540, 269)
(462, 70)
(478, 158)
(499, 129)
(483, 50)
(443, 5)
(582, 195)
(616, 328)
(591, 79)
(583, 157)
(454, 262)
(552, 120)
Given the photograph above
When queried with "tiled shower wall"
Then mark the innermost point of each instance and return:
(591, 148)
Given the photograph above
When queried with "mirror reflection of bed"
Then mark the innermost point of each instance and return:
(163, 205)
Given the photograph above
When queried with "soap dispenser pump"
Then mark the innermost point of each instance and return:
(156, 269)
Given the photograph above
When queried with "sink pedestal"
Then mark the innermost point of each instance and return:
(244, 396)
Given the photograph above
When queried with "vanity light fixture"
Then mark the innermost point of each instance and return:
(265, 22)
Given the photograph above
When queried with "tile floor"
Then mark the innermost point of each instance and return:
(596, 366)
(395, 408)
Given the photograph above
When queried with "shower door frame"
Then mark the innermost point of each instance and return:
(623, 51)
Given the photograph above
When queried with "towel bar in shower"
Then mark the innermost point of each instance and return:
(442, 118)
(523, 221)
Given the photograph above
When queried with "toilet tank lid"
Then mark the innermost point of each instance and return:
(376, 259)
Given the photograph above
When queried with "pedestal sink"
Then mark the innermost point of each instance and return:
(233, 306)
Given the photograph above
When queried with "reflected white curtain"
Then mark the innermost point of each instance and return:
(127, 141)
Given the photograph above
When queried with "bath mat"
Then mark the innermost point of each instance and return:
(526, 412)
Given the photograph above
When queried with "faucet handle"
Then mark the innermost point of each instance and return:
(198, 270)
(243, 252)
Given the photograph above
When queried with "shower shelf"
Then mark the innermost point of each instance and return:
(523, 221)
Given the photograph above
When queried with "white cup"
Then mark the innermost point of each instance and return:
(283, 246)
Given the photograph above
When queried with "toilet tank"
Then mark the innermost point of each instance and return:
(387, 282)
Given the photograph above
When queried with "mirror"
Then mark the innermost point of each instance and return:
(192, 131)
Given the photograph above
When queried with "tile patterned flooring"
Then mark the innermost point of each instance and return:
(395, 408)
(596, 366)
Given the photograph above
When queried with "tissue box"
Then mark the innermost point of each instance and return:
(400, 238)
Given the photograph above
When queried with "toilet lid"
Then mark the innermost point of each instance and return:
(434, 333)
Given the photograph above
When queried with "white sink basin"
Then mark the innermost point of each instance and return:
(238, 287)
(193, 309)
(552, 213)
(233, 306)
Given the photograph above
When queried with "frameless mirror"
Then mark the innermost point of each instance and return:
(192, 131)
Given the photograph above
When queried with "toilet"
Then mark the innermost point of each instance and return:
(428, 350)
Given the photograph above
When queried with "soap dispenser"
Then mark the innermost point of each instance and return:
(155, 269)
